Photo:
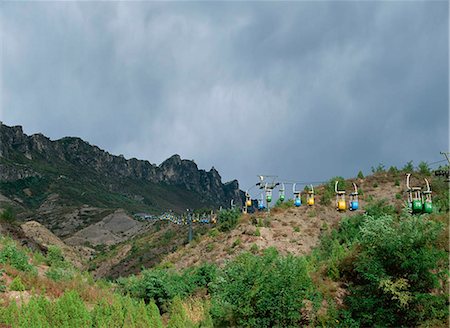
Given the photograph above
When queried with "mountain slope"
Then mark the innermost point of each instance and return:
(52, 181)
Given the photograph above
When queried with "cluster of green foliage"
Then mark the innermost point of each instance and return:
(284, 204)
(12, 255)
(228, 219)
(7, 215)
(391, 264)
(70, 311)
(162, 285)
(262, 291)
(59, 268)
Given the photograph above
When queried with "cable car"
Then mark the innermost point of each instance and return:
(261, 205)
(415, 201)
(282, 195)
(248, 200)
(297, 196)
(341, 204)
(353, 202)
(310, 196)
(427, 202)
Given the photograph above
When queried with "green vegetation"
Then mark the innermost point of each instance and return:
(329, 192)
(409, 167)
(424, 168)
(7, 215)
(382, 268)
(360, 175)
(228, 219)
(17, 285)
(379, 168)
(17, 258)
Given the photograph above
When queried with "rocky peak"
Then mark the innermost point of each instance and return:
(82, 156)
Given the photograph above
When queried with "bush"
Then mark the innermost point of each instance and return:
(15, 257)
(424, 168)
(395, 271)
(393, 170)
(8, 215)
(262, 291)
(54, 256)
(409, 167)
(379, 169)
(360, 175)
(228, 219)
(178, 315)
(162, 285)
(17, 285)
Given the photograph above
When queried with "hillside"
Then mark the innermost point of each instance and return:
(68, 184)
(291, 230)
(307, 266)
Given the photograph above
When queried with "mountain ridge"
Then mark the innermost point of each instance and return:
(39, 174)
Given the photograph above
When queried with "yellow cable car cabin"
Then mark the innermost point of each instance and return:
(310, 197)
(341, 204)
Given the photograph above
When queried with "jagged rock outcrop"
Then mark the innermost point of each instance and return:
(23, 156)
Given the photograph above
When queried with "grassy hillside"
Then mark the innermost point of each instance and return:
(307, 266)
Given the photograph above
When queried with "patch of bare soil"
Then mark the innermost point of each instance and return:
(112, 229)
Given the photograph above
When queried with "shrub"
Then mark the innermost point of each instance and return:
(17, 285)
(228, 219)
(396, 270)
(254, 248)
(409, 167)
(257, 232)
(393, 170)
(213, 233)
(70, 311)
(55, 256)
(178, 315)
(380, 168)
(7, 215)
(15, 257)
(262, 291)
(160, 285)
(360, 175)
(424, 168)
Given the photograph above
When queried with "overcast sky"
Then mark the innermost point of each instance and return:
(302, 90)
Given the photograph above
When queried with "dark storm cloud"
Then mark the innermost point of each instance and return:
(299, 89)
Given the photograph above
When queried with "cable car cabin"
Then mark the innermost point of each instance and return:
(427, 202)
(415, 196)
(341, 204)
(261, 205)
(353, 203)
(248, 202)
(281, 193)
(426, 198)
(310, 196)
(297, 201)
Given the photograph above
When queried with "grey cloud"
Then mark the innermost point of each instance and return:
(303, 90)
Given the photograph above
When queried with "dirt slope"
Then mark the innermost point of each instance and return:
(112, 229)
(293, 230)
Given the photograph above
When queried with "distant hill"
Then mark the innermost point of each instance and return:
(68, 184)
